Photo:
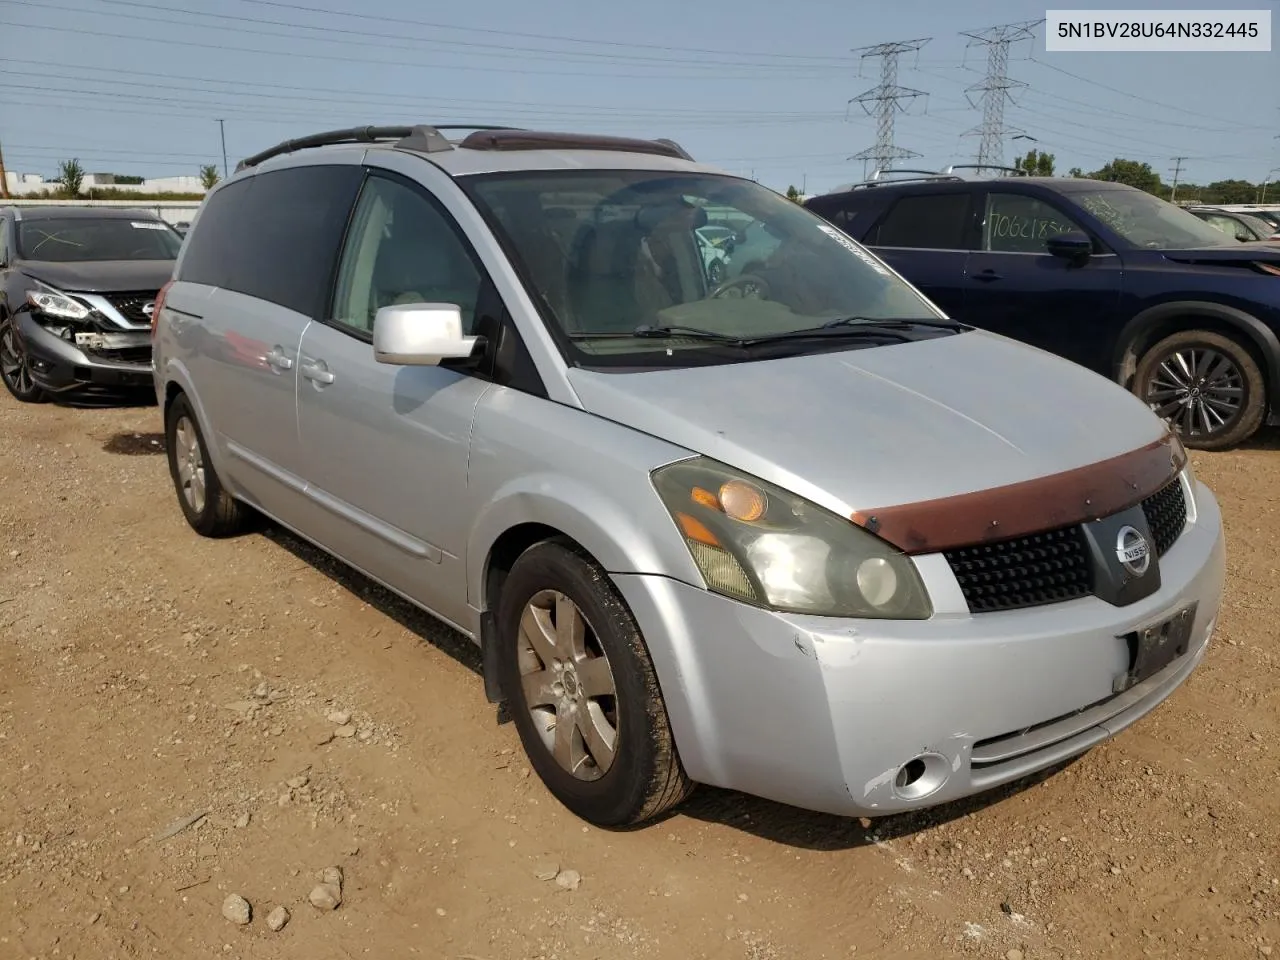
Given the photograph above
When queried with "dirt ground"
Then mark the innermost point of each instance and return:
(148, 677)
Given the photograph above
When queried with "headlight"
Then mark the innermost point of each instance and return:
(756, 542)
(52, 303)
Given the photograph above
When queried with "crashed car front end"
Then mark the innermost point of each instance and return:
(85, 341)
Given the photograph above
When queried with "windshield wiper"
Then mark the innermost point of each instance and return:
(647, 331)
(894, 323)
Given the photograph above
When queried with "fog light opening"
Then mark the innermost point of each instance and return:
(921, 777)
(910, 774)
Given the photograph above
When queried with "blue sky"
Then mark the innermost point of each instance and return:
(135, 86)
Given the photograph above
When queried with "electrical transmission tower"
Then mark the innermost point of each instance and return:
(887, 98)
(996, 87)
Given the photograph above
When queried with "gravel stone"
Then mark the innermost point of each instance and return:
(339, 717)
(568, 879)
(277, 919)
(325, 896)
(236, 909)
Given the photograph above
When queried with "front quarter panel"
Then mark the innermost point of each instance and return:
(537, 461)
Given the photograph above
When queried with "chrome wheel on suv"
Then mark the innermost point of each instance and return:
(1206, 385)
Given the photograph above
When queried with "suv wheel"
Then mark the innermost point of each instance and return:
(1206, 385)
(582, 691)
(13, 366)
(211, 511)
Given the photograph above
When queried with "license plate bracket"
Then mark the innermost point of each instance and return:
(1154, 647)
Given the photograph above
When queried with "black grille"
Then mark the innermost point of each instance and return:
(130, 304)
(1166, 512)
(1052, 566)
(1025, 572)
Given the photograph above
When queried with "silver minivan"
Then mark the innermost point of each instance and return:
(787, 529)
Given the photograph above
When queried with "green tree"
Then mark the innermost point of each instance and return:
(72, 176)
(1132, 173)
(209, 176)
(793, 194)
(1036, 164)
(1231, 191)
(1075, 172)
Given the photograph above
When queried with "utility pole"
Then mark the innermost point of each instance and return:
(1177, 173)
(996, 88)
(4, 178)
(887, 97)
(223, 130)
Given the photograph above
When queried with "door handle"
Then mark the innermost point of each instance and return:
(987, 276)
(314, 371)
(278, 360)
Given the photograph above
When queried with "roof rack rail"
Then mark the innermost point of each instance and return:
(1017, 171)
(509, 139)
(429, 139)
(877, 179)
(419, 137)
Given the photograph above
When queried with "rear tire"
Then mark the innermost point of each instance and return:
(14, 369)
(1207, 385)
(209, 509)
(582, 691)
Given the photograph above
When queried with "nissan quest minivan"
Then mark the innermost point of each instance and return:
(783, 528)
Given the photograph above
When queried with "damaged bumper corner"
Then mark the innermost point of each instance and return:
(84, 359)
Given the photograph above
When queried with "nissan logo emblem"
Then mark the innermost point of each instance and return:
(1133, 551)
(148, 308)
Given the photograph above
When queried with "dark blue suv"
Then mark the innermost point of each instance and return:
(1113, 278)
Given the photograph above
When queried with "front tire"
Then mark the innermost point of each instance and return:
(582, 691)
(209, 509)
(1208, 386)
(14, 368)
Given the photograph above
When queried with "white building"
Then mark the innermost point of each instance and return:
(25, 184)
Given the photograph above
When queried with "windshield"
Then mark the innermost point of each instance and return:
(608, 252)
(81, 239)
(1147, 221)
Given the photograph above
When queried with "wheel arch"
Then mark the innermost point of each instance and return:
(177, 381)
(619, 541)
(1156, 323)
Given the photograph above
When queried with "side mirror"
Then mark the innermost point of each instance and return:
(420, 335)
(1072, 245)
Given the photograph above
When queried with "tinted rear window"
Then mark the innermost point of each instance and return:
(937, 221)
(85, 239)
(274, 236)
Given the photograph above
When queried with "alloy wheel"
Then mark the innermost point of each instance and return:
(190, 460)
(1198, 389)
(568, 685)
(13, 363)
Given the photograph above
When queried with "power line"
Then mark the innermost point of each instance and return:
(887, 97)
(383, 61)
(996, 88)
(234, 23)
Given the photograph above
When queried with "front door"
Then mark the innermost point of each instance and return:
(386, 446)
(1016, 288)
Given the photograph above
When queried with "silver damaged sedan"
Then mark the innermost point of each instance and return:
(781, 527)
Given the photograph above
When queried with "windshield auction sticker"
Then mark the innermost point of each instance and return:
(1157, 31)
(856, 250)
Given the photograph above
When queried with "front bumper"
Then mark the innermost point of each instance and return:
(59, 366)
(823, 713)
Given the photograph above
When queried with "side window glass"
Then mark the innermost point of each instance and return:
(933, 221)
(1020, 224)
(401, 248)
(4, 242)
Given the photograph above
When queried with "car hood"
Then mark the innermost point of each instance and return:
(1264, 250)
(872, 428)
(101, 276)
